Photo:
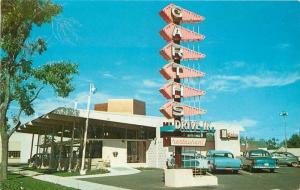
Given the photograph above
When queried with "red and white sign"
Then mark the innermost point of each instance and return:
(177, 141)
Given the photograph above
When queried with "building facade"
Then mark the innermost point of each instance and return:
(118, 136)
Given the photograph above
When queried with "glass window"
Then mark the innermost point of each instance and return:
(94, 149)
(136, 151)
(14, 154)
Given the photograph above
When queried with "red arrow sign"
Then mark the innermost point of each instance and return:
(173, 13)
(171, 31)
(170, 71)
(173, 89)
(174, 51)
(168, 110)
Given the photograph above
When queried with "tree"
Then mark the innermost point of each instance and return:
(21, 82)
(294, 141)
(272, 143)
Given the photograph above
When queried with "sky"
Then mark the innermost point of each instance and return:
(252, 62)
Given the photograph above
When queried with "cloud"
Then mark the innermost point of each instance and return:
(151, 83)
(235, 64)
(234, 82)
(127, 77)
(245, 122)
(282, 45)
(142, 91)
(108, 75)
(46, 105)
(119, 62)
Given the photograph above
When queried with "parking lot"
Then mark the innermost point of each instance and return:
(283, 178)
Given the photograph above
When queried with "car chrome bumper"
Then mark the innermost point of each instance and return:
(265, 167)
(227, 168)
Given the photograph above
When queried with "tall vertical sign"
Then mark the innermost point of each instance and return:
(174, 71)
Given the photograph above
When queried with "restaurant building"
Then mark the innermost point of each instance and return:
(119, 134)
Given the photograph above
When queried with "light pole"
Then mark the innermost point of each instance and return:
(92, 91)
(284, 114)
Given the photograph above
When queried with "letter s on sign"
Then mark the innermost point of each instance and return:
(177, 110)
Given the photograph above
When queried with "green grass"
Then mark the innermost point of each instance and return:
(19, 182)
(65, 173)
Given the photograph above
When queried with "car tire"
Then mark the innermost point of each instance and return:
(235, 171)
(294, 164)
(251, 170)
(272, 170)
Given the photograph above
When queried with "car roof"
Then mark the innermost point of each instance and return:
(219, 151)
(258, 150)
(282, 153)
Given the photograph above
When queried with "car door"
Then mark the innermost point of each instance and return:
(281, 158)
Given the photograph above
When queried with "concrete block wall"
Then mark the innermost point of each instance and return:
(116, 145)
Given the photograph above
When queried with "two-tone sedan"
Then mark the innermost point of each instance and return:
(286, 158)
(258, 159)
(223, 160)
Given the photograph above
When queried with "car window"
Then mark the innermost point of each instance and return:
(289, 155)
(259, 154)
(228, 155)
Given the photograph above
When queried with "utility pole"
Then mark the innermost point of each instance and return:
(92, 91)
(284, 114)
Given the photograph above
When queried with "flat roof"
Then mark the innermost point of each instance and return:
(66, 118)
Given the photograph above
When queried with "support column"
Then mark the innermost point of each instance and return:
(71, 148)
(42, 164)
(52, 150)
(60, 149)
(32, 141)
(37, 144)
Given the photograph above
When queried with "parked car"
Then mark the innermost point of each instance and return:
(258, 159)
(223, 160)
(286, 158)
(190, 159)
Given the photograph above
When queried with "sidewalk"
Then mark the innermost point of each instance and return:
(74, 181)
(114, 171)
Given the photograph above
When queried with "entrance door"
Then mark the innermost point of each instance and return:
(136, 152)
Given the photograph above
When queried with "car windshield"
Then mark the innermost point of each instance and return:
(289, 155)
(228, 155)
(259, 154)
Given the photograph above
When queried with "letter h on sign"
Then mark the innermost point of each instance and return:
(177, 91)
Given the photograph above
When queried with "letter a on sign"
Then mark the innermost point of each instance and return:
(177, 33)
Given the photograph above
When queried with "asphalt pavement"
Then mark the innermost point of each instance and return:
(285, 178)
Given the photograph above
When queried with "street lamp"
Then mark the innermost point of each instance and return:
(284, 115)
(92, 91)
